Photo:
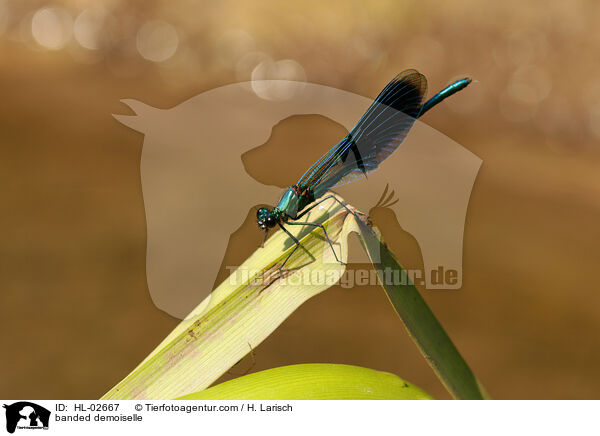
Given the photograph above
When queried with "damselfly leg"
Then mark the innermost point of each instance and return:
(324, 232)
(296, 241)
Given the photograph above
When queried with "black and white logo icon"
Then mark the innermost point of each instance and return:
(26, 415)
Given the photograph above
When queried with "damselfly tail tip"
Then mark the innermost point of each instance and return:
(462, 83)
(465, 82)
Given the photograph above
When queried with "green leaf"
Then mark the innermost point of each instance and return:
(314, 382)
(422, 325)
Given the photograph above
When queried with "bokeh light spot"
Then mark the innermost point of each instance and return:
(52, 27)
(157, 41)
(269, 79)
(88, 27)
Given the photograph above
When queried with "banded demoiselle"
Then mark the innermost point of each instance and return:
(378, 133)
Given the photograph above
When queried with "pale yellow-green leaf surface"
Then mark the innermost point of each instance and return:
(314, 382)
(242, 311)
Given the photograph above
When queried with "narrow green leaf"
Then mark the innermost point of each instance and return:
(422, 325)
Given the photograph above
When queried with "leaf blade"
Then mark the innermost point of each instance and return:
(314, 382)
(422, 325)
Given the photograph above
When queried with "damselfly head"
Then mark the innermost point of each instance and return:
(266, 218)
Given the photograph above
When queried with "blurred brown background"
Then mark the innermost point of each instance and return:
(76, 315)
